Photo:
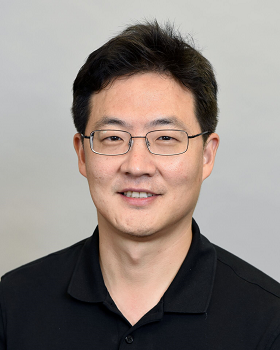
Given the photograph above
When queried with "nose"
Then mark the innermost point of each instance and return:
(139, 161)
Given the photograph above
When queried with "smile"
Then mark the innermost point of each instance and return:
(137, 194)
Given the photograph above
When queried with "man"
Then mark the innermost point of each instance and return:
(145, 110)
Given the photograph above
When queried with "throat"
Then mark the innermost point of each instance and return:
(138, 273)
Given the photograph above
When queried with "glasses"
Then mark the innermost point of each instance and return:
(167, 142)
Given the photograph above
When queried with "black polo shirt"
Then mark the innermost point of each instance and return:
(215, 302)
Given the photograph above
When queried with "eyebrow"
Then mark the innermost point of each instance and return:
(167, 121)
(172, 120)
(104, 121)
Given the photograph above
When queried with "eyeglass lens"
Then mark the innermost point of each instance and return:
(161, 142)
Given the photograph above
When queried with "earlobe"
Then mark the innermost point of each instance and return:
(79, 148)
(209, 154)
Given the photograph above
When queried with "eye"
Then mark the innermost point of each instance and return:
(110, 137)
(113, 138)
(166, 138)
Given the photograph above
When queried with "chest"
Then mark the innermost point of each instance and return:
(99, 327)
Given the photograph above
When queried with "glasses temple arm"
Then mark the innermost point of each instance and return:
(202, 133)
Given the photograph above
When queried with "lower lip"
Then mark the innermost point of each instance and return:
(139, 202)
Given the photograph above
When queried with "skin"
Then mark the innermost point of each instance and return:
(142, 238)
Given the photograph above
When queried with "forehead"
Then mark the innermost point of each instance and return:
(143, 100)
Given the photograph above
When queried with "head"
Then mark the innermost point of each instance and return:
(146, 78)
(144, 48)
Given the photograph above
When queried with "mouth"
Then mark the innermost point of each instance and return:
(132, 194)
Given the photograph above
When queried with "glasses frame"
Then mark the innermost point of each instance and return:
(130, 143)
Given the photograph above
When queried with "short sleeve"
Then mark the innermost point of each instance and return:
(275, 345)
(2, 328)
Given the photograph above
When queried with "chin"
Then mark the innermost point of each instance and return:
(136, 231)
(140, 234)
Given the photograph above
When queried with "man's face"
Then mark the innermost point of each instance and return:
(139, 104)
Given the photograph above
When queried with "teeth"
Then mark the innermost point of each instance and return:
(137, 194)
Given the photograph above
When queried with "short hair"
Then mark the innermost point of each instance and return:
(142, 48)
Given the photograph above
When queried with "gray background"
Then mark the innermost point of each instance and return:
(45, 203)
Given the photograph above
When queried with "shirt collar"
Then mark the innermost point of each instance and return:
(191, 289)
(189, 292)
(87, 283)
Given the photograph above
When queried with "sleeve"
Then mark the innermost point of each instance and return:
(2, 326)
(275, 345)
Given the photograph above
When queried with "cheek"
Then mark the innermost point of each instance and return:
(183, 172)
(99, 175)
(184, 179)
(99, 178)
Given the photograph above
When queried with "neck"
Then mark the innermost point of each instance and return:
(132, 267)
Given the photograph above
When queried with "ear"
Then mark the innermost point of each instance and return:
(209, 154)
(79, 148)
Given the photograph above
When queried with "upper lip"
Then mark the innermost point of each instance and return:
(137, 190)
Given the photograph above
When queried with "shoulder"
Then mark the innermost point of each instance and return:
(248, 298)
(235, 270)
(56, 266)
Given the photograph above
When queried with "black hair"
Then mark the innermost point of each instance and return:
(148, 47)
